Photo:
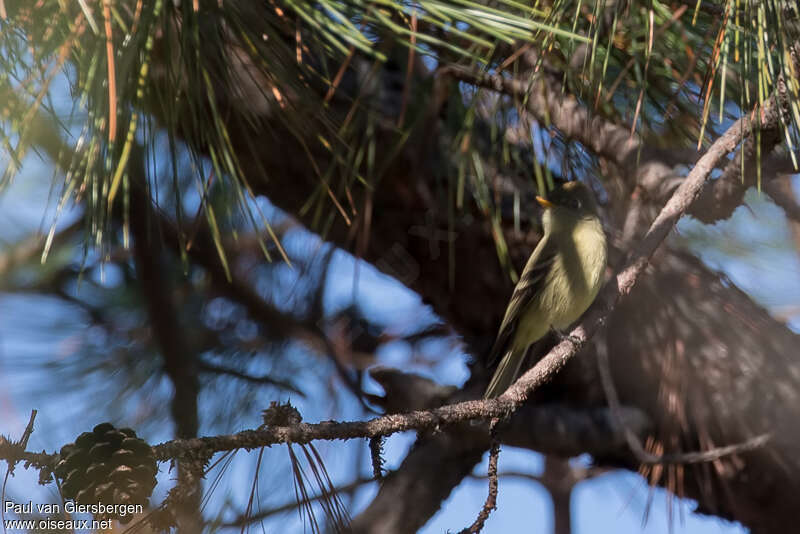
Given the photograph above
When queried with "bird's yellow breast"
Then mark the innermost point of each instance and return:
(584, 273)
(571, 284)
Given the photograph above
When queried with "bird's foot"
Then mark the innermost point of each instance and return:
(565, 336)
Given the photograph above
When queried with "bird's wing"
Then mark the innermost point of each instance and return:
(528, 287)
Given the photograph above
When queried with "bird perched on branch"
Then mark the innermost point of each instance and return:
(560, 280)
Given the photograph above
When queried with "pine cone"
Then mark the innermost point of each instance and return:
(107, 466)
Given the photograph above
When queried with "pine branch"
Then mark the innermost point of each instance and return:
(649, 167)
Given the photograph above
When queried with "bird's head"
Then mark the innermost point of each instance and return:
(570, 202)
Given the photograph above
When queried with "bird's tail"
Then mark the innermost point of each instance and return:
(506, 373)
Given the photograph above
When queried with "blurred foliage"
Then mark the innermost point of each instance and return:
(646, 64)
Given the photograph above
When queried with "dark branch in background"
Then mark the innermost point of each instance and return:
(726, 193)
(204, 252)
(404, 392)
(558, 428)
(153, 270)
(262, 380)
(781, 193)
(560, 479)
(554, 427)
(546, 101)
(31, 247)
(352, 380)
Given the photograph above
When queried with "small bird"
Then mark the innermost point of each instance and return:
(559, 282)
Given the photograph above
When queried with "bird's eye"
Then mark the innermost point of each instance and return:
(576, 204)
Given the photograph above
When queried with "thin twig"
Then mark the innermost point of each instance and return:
(491, 499)
(18, 448)
(23, 441)
(376, 452)
(14, 451)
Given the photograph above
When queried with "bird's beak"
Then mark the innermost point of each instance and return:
(544, 202)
